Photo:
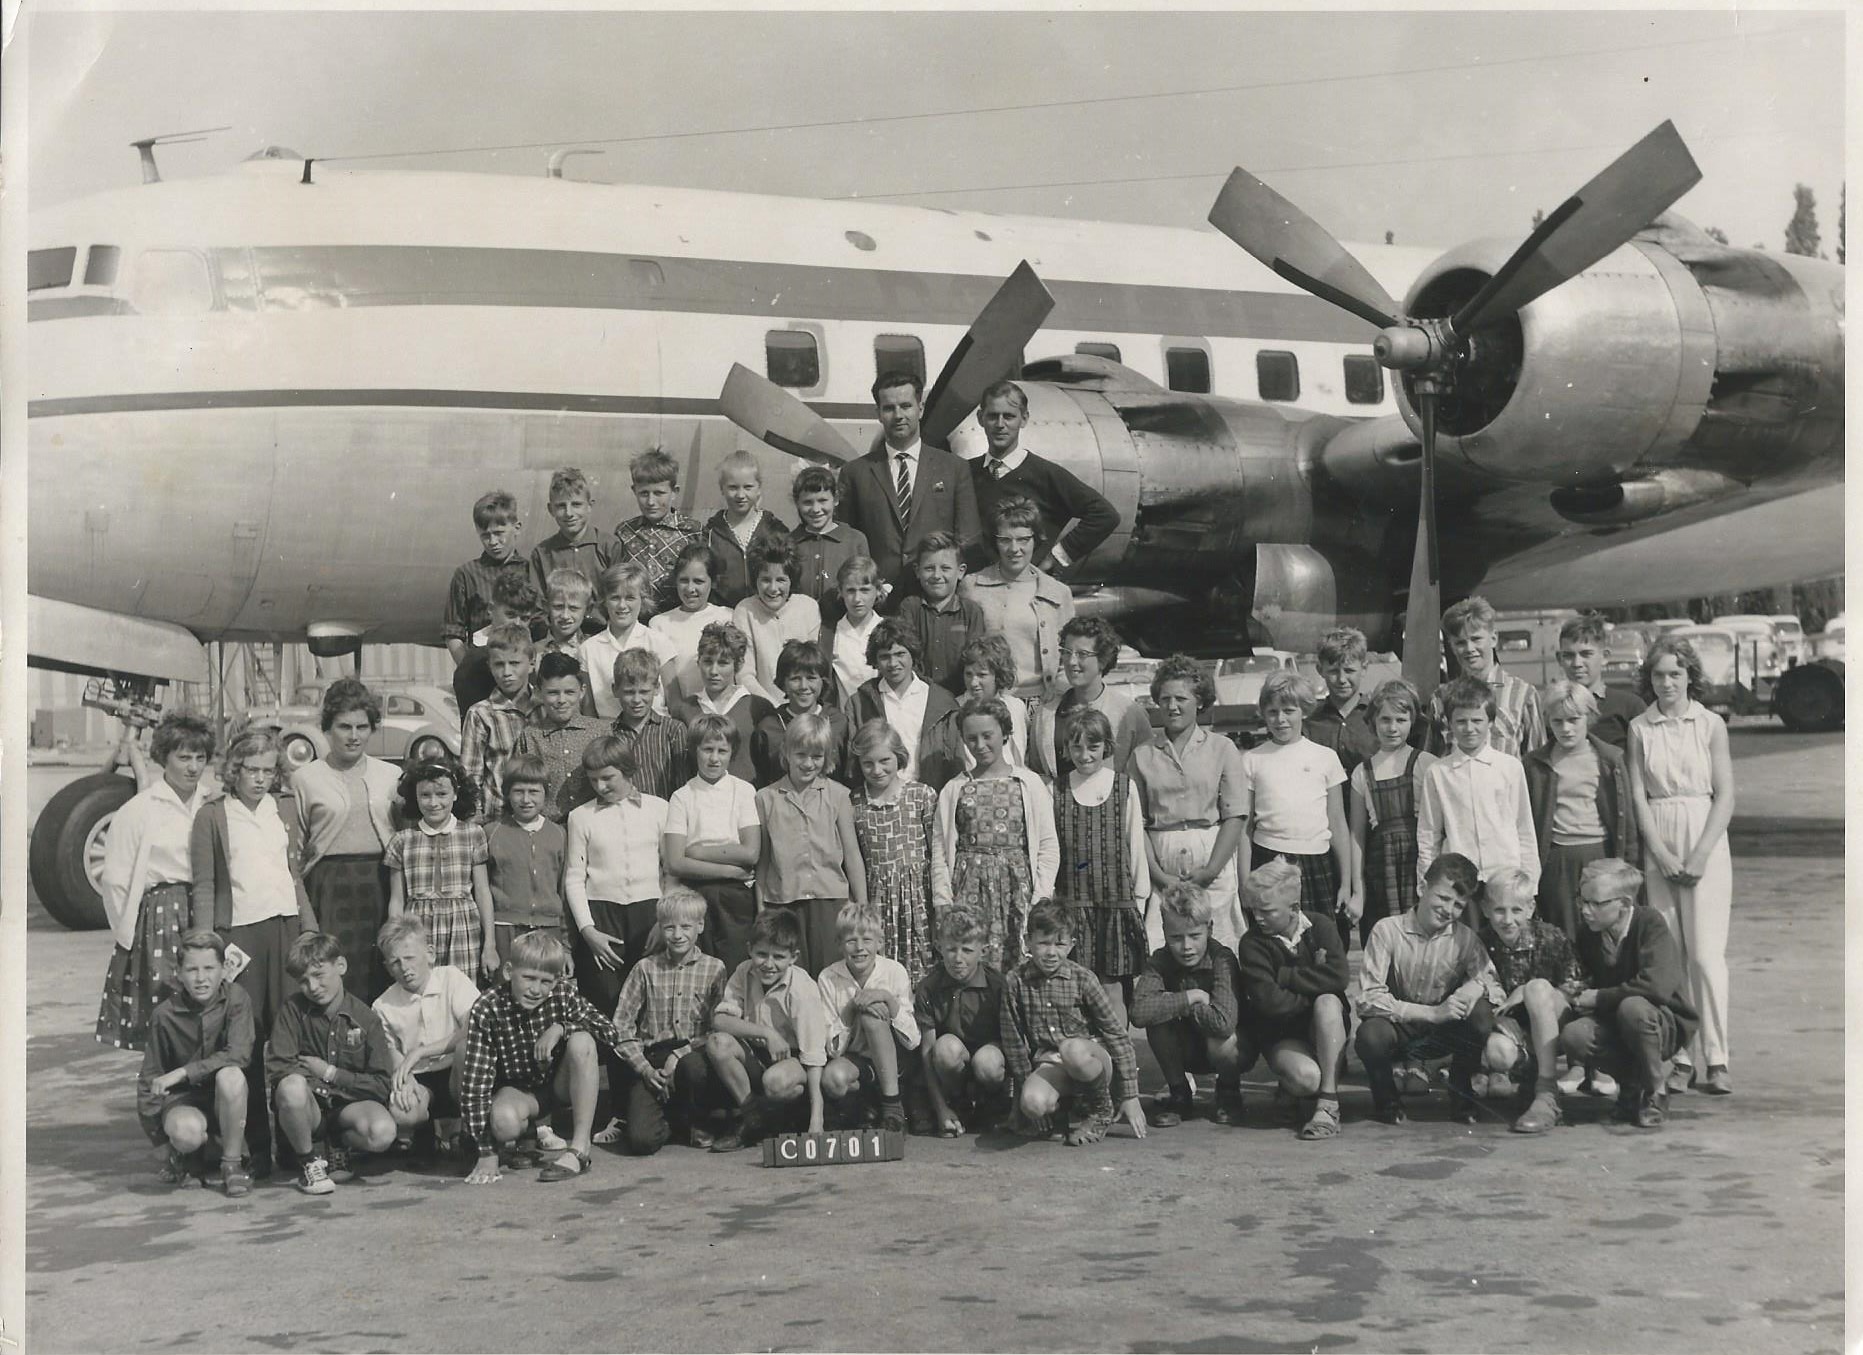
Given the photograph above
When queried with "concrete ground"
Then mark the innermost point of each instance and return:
(1722, 1232)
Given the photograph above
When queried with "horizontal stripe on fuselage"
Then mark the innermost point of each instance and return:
(329, 276)
(549, 401)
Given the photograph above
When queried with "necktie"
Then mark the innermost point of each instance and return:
(997, 469)
(904, 487)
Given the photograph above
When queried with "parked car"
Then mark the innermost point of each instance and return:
(1238, 680)
(1789, 631)
(1761, 631)
(1829, 643)
(418, 721)
(1718, 648)
(1131, 676)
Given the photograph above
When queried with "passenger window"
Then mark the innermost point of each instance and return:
(791, 358)
(1364, 380)
(100, 265)
(1277, 375)
(1109, 351)
(1187, 369)
(171, 282)
(1515, 641)
(898, 353)
(47, 268)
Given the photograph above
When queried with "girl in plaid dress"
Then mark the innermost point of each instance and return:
(1384, 820)
(1100, 823)
(437, 869)
(894, 819)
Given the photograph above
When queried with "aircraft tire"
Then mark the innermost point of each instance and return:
(1809, 699)
(67, 830)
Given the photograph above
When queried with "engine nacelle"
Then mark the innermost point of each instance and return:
(1219, 507)
(1672, 348)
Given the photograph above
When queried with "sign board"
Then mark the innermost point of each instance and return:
(835, 1148)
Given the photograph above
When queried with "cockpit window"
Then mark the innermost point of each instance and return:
(47, 268)
(171, 282)
(100, 265)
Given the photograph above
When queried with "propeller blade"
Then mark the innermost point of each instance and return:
(987, 353)
(1632, 191)
(771, 414)
(1423, 615)
(1298, 248)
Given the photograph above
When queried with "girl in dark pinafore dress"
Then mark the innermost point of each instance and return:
(1100, 824)
(1383, 813)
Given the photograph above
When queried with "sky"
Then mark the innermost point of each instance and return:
(1436, 127)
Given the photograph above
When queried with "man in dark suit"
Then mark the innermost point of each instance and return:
(902, 491)
(1009, 468)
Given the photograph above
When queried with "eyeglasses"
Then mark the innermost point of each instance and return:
(1590, 905)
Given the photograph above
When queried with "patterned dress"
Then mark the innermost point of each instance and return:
(1096, 878)
(895, 842)
(138, 978)
(1391, 847)
(991, 873)
(436, 872)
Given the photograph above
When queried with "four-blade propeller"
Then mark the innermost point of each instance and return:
(990, 350)
(1631, 192)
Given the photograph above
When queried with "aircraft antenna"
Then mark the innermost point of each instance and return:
(558, 156)
(145, 148)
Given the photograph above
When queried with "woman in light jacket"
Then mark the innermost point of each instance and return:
(345, 807)
(1019, 602)
(147, 871)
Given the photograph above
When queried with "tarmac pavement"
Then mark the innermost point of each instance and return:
(1722, 1232)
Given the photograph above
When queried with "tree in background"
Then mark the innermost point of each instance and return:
(1801, 233)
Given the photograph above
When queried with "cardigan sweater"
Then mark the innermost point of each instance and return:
(1279, 984)
(1614, 808)
(1037, 824)
(322, 795)
(213, 882)
(1060, 495)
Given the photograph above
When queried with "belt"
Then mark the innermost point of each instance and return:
(1658, 799)
(1185, 823)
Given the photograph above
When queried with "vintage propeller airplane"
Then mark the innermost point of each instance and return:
(262, 403)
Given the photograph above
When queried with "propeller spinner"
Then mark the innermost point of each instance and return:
(1631, 192)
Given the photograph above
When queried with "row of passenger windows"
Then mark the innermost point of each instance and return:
(792, 357)
(178, 281)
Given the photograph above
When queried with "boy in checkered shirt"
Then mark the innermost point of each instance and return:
(1539, 972)
(665, 1010)
(1062, 1040)
(532, 1046)
(654, 539)
(491, 729)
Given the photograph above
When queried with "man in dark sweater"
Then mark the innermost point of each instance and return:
(1185, 1002)
(1008, 468)
(1635, 1014)
(1294, 977)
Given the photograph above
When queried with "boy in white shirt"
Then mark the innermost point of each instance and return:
(624, 591)
(871, 1024)
(713, 838)
(424, 1014)
(846, 643)
(1474, 801)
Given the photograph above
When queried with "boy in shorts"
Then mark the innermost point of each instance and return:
(1294, 978)
(424, 1013)
(1539, 972)
(654, 539)
(959, 1010)
(532, 1046)
(871, 1028)
(1063, 1042)
(769, 1040)
(469, 596)
(329, 1068)
(193, 1078)
(1186, 1003)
